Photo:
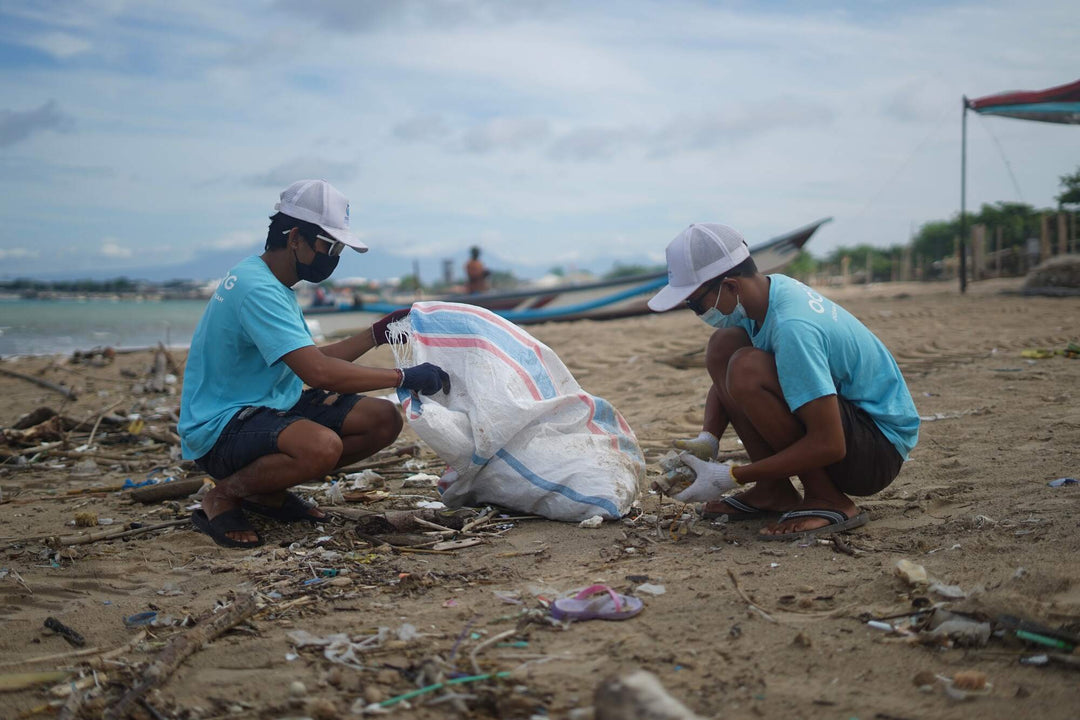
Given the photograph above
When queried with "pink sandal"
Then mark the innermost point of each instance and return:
(598, 602)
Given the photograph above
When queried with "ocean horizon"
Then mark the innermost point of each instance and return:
(51, 327)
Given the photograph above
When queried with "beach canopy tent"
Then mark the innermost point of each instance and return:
(1056, 105)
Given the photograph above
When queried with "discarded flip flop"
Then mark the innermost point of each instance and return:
(293, 509)
(742, 510)
(598, 602)
(227, 522)
(838, 522)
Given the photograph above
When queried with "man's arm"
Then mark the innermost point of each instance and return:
(348, 349)
(319, 369)
(823, 444)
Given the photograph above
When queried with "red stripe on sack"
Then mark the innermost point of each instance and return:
(481, 344)
(593, 427)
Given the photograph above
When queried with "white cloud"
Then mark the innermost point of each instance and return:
(236, 240)
(112, 249)
(18, 254)
(59, 44)
(545, 130)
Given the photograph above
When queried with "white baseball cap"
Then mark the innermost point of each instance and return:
(319, 202)
(698, 254)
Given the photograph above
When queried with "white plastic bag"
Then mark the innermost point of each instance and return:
(516, 430)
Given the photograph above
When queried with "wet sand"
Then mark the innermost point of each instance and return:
(972, 506)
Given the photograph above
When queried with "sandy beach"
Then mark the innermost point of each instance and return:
(743, 628)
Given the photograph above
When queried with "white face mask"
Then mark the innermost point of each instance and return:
(717, 319)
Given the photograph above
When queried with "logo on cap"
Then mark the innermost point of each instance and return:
(346, 214)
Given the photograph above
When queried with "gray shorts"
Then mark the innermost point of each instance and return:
(253, 431)
(872, 461)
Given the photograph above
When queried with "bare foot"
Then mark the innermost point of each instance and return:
(214, 503)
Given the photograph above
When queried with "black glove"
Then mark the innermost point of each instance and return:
(378, 328)
(426, 379)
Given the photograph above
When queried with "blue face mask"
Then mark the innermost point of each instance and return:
(719, 320)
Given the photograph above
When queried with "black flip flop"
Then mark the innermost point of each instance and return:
(226, 522)
(293, 509)
(743, 510)
(838, 522)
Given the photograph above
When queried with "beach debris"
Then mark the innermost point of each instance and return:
(591, 523)
(69, 634)
(169, 489)
(12, 682)
(420, 480)
(97, 357)
(65, 391)
(86, 519)
(677, 475)
(140, 619)
(1063, 481)
(650, 589)
(638, 696)
(129, 530)
(179, 648)
(912, 573)
(954, 630)
(966, 684)
(343, 649)
(1037, 634)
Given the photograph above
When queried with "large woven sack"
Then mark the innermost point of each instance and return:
(516, 430)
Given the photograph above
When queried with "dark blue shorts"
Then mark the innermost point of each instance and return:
(253, 431)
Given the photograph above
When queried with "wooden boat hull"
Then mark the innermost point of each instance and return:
(603, 300)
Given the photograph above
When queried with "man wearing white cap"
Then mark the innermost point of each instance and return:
(244, 415)
(810, 391)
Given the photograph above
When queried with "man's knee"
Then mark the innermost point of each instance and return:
(320, 449)
(749, 370)
(722, 345)
(378, 419)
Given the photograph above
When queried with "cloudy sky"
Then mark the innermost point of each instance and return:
(143, 132)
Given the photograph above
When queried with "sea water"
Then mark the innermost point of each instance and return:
(46, 327)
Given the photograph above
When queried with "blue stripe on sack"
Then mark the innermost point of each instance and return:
(604, 416)
(570, 494)
(455, 322)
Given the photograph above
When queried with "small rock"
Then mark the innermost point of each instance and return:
(297, 689)
(801, 640)
(924, 678)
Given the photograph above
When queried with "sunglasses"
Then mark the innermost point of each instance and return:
(336, 246)
(694, 302)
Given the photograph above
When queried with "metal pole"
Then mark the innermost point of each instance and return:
(963, 194)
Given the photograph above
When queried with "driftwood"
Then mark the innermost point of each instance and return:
(66, 392)
(403, 521)
(179, 649)
(69, 540)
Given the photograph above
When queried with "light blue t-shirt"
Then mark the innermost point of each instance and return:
(822, 349)
(235, 358)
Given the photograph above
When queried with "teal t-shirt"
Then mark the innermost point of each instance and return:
(235, 358)
(822, 349)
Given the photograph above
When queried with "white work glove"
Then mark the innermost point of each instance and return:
(711, 481)
(704, 446)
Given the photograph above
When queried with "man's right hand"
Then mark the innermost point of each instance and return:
(426, 379)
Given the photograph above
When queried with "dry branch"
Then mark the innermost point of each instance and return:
(178, 650)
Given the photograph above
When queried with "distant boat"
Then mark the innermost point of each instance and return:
(604, 300)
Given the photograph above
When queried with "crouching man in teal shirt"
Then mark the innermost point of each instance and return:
(810, 391)
(245, 417)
